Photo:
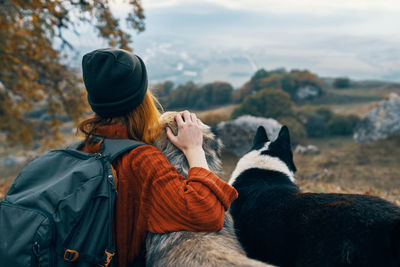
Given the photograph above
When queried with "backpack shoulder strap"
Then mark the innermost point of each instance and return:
(76, 146)
(110, 147)
(113, 147)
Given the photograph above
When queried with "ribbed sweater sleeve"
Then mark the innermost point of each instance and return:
(197, 203)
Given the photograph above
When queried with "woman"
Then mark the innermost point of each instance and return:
(152, 196)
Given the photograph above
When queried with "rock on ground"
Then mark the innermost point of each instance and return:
(307, 150)
(381, 123)
(237, 135)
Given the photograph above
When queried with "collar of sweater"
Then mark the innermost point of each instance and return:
(112, 131)
(108, 131)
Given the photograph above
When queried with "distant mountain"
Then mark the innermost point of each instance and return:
(206, 42)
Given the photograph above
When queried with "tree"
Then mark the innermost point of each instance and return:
(163, 89)
(217, 93)
(32, 70)
(242, 93)
(260, 74)
(184, 96)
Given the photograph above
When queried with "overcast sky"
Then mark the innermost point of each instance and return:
(355, 38)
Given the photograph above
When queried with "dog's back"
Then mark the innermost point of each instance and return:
(279, 224)
(188, 248)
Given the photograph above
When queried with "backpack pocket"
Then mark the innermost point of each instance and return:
(27, 236)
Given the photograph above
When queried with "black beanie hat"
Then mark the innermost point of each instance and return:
(116, 81)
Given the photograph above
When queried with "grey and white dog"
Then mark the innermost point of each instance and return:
(189, 249)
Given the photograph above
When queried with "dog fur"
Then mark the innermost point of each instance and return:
(279, 224)
(189, 248)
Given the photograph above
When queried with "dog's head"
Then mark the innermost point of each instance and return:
(212, 146)
(269, 155)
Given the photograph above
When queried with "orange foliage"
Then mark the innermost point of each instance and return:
(33, 74)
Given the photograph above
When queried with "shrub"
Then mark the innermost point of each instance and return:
(289, 84)
(217, 93)
(342, 125)
(242, 93)
(260, 74)
(325, 113)
(297, 130)
(341, 83)
(316, 126)
(189, 95)
(162, 89)
(271, 82)
(266, 103)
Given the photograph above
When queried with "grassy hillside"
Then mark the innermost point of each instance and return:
(345, 167)
(358, 99)
(342, 166)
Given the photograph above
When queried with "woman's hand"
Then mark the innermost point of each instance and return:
(189, 139)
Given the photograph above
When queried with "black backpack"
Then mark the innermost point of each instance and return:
(59, 210)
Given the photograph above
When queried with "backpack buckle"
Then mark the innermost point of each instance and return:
(71, 255)
(109, 256)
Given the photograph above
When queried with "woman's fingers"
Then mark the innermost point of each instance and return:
(193, 117)
(186, 116)
(179, 120)
(171, 136)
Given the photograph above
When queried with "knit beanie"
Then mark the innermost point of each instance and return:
(115, 80)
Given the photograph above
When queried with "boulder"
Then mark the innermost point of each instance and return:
(381, 123)
(308, 92)
(307, 150)
(237, 135)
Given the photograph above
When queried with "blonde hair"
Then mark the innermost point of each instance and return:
(142, 122)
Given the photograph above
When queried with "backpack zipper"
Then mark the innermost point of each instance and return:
(35, 255)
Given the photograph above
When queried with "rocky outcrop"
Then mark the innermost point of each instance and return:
(308, 92)
(307, 150)
(237, 135)
(381, 123)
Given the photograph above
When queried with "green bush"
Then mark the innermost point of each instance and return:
(316, 126)
(341, 83)
(217, 93)
(296, 128)
(342, 125)
(260, 74)
(266, 103)
(239, 95)
(271, 82)
(189, 95)
(325, 113)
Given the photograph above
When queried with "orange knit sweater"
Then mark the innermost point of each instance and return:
(153, 197)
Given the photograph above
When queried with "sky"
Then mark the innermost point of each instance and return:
(230, 39)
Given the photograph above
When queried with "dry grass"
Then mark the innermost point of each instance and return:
(341, 167)
(224, 111)
(359, 109)
(345, 167)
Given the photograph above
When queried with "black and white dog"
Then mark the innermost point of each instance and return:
(279, 224)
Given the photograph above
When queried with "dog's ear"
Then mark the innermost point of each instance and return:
(284, 137)
(260, 137)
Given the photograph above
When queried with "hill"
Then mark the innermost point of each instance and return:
(342, 165)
